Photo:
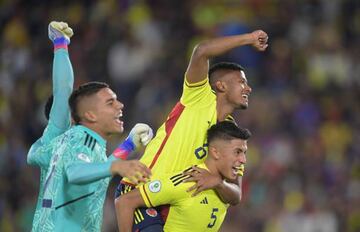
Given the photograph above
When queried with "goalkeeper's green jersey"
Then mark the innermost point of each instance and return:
(59, 120)
(67, 206)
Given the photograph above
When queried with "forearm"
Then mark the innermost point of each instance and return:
(218, 46)
(84, 173)
(230, 192)
(125, 206)
(125, 217)
(199, 63)
(63, 81)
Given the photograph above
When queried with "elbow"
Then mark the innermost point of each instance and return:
(29, 160)
(200, 50)
(236, 199)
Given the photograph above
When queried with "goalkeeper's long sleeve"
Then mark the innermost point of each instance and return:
(63, 81)
(84, 173)
(59, 118)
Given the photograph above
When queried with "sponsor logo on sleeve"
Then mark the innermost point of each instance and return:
(155, 186)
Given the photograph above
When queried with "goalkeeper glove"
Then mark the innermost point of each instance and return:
(140, 134)
(60, 33)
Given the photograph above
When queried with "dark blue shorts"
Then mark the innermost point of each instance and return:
(143, 217)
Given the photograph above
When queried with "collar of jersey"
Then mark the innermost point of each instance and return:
(98, 138)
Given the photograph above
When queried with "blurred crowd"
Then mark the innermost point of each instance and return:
(303, 170)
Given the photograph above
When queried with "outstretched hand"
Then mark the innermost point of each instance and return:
(136, 171)
(203, 178)
(260, 39)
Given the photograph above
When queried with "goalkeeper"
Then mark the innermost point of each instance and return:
(78, 176)
(58, 114)
(56, 110)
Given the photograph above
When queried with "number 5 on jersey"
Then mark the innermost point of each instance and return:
(213, 217)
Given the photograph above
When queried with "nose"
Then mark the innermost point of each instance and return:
(242, 159)
(248, 88)
(119, 105)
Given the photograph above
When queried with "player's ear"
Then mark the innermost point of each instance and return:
(214, 153)
(90, 116)
(220, 86)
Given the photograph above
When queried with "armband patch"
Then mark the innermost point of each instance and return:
(155, 186)
(84, 157)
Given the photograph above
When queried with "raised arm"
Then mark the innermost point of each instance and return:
(199, 62)
(62, 74)
(125, 206)
(63, 80)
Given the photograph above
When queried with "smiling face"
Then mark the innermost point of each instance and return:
(237, 89)
(229, 155)
(108, 111)
(101, 112)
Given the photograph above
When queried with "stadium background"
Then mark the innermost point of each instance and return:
(303, 164)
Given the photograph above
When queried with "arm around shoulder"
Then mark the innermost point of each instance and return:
(229, 192)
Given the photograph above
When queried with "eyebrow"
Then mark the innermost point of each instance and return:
(110, 100)
(242, 150)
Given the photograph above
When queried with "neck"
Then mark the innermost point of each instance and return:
(211, 165)
(94, 128)
(223, 108)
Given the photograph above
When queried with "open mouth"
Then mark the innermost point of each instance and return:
(237, 169)
(118, 118)
(245, 96)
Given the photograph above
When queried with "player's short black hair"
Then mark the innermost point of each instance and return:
(86, 89)
(225, 66)
(48, 106)
(227, 130)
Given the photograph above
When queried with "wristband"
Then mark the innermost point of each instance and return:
(124, 149)
(60, 43)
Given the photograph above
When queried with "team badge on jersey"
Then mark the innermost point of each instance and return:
(155, 186)
(84, 157)
(151, 212)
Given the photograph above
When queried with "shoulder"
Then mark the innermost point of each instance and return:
(81, 140)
